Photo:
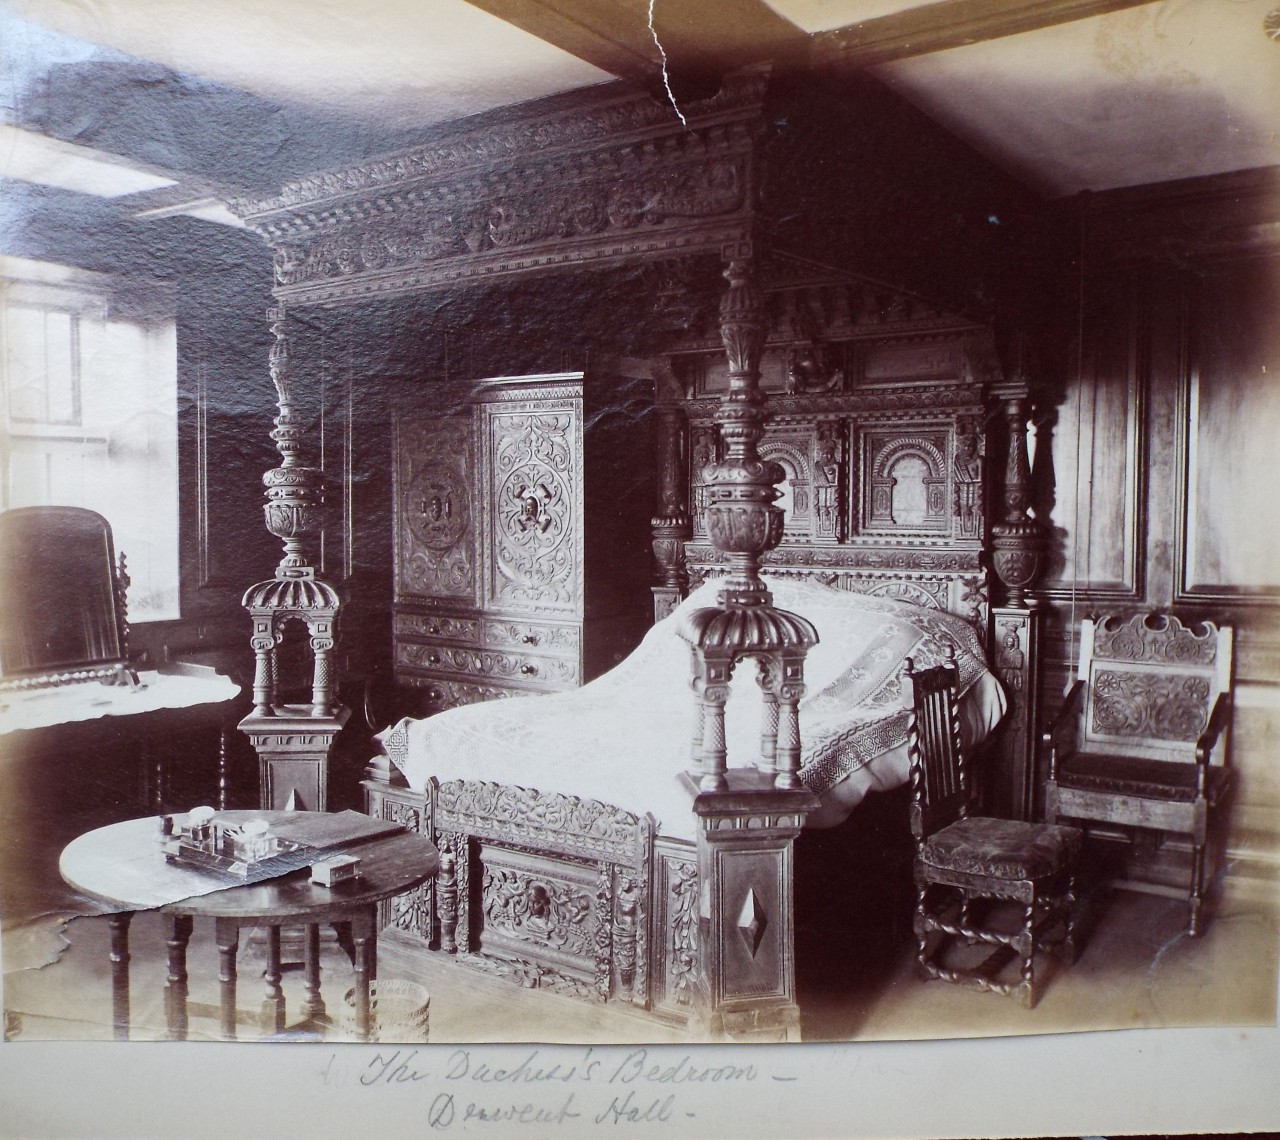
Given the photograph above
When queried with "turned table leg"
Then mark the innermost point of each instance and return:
(313, 1003)
(119, 925)
(273, 1004)
(364, 934)
(227, 936)
(175, 992)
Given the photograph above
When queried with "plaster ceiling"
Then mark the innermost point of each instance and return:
(398, 63)
(1148, 94)
(1164, 90)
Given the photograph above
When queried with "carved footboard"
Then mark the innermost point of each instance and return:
(551, 891)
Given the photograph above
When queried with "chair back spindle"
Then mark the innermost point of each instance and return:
(939, 781)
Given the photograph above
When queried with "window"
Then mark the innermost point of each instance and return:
(89, 370)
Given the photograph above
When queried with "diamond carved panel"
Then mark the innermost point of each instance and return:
(752, 922)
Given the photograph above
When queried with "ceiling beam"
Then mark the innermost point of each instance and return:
(726, 34)
(946, 24)
(688, 44)
(599, 32)
(702, 41)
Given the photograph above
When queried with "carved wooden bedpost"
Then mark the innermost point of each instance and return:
(672, 525)
(292, 741)
(748, 817)
(1018, 543)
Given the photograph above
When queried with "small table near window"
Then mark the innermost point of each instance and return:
(124, 865)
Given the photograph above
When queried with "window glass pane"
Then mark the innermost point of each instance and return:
(24, 363)
(61, 381)
(92, 422)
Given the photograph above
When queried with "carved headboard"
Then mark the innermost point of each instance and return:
(881, 433)
(905, 459)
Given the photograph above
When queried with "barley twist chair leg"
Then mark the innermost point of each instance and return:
(1027, 949)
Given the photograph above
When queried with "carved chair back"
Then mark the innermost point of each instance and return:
(939, 779)
(1150, 685)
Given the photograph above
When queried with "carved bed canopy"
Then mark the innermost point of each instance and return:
(766, 180)
(731, 236)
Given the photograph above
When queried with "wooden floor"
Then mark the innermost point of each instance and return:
(855, 979)
(1138, 969)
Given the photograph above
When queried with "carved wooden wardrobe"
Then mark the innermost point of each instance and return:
(520, 559)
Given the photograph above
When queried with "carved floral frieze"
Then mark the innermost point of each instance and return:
(481, 218)
(526, 816)
(928, 559)
(1149, 706)
(1163, 640)
(605, 118)
(532, 975)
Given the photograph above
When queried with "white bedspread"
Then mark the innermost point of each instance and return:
(626, 736)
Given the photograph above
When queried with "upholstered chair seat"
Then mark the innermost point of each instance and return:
(1002, 848)
(1156, 779)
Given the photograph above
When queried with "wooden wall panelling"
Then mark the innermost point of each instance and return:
(1184, 281)
(1098, 455)
(1228, 425)
(228, 450)
(336, 458)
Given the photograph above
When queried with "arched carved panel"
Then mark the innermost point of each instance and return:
(796, 489)
(906, 485)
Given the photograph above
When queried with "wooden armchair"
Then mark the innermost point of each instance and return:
(1151, 710)
(967, 866)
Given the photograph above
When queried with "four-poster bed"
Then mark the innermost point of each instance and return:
(865, 412)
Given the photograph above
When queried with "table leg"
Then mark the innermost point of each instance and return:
(273, 1005)
(364, 933)
(175, 993)
(313, 1003)
(227, 936)
(119, 925)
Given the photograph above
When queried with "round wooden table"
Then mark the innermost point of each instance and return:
(124, 865)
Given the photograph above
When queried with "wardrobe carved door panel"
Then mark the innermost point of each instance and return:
(435, 529)
(531, 460)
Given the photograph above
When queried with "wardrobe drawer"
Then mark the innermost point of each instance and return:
(522, 636)
(533, 670)
(446, 626)
(532, 637)
(441, 693)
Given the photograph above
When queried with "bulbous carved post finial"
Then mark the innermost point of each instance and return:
(294, 493)
(744, 523)
(295, 593)
(1018, 540)
(741, 518)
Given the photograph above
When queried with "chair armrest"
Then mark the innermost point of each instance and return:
(1066, 716)
(1218, 720)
